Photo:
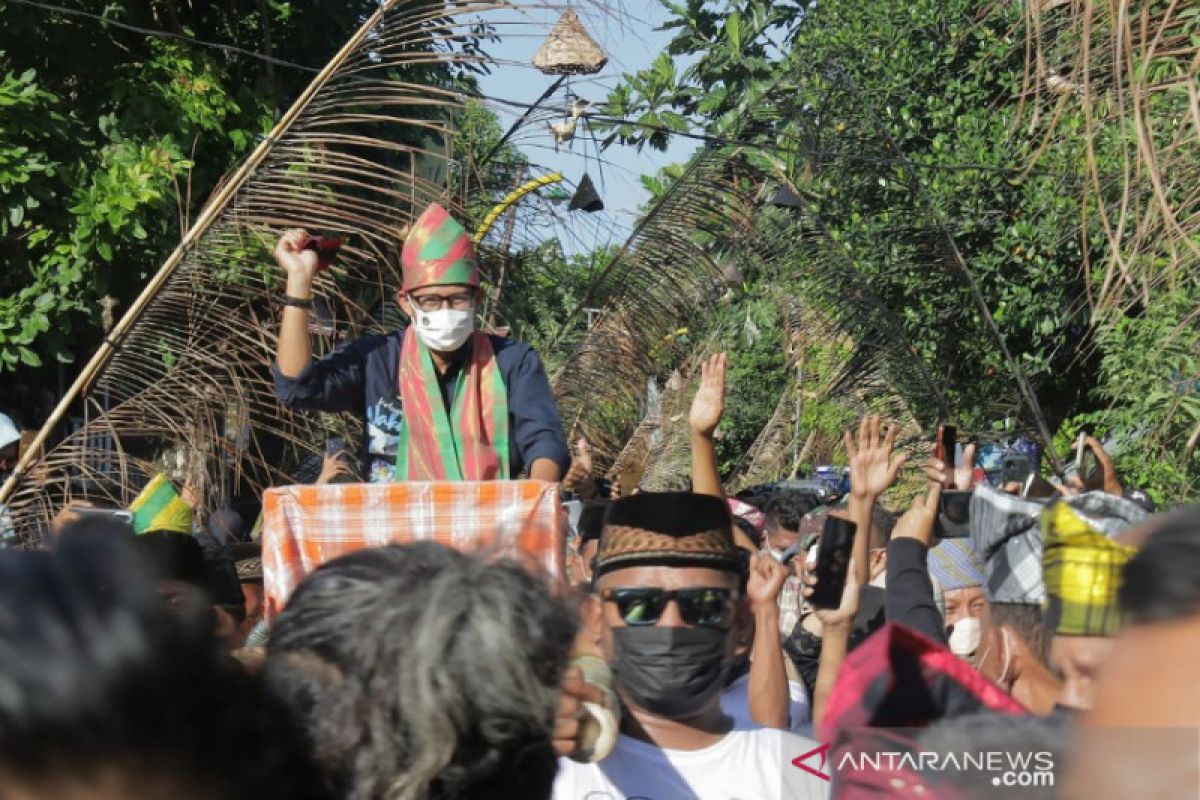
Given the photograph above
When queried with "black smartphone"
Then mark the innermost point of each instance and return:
(1015, 468)
(1038, 488)
(116, 514)
(335, 445)
(833, 562)
(954, 512)
(1086, 466)
(947, 444)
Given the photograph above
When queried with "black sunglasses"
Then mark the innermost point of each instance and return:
(707, 607)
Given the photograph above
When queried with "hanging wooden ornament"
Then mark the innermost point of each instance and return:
(569, 50)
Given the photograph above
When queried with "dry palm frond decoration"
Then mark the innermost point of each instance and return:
(182, 384)
(1125, 68)
(666, 274)
(1128, 74)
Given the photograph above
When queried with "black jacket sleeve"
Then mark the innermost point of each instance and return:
(537, 430)
(335, 382)
(909, 599)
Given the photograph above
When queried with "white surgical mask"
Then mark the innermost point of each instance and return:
(446, 329)
(771, 551)
(965, 637)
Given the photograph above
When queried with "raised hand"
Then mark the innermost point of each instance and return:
(299, 264)
(333, 466)
(765, 581)
(873, 468)
(1107, 480)
(962, 477)
(917, 522)
(709, 403)
(574, 692)
(579, 476)
(844, 614)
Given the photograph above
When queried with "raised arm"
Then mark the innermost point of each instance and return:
(873, 469)
(294, 351)
(708, 406)
(908, 596)
(770, 697)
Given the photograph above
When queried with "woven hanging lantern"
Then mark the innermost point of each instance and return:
(569, 50)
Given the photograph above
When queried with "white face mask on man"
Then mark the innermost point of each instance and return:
(446, 329)
(965, 636)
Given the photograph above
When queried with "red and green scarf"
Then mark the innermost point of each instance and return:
(471, 442)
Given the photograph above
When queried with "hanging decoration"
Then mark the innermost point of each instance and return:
(565, 131)
(586, 197)
(569, 50)
(511, 198)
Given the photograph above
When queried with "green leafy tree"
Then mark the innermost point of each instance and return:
(111, 139)
(900, 130)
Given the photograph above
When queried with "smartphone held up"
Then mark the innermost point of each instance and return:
(833, 562)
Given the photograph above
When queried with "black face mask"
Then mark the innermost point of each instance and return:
(670, 671)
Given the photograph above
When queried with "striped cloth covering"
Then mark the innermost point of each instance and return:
(305, 526)
(160, 508)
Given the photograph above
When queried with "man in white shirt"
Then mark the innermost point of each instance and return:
(668, 574)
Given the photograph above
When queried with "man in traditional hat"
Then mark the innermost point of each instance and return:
(956, 566)
(1083, 554)
(440, 400)
(669, 577)
(1142, 735)
(1014, 645)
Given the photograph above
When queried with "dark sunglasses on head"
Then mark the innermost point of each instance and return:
(707, 607)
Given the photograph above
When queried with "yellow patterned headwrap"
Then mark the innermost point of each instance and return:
(1081, 568)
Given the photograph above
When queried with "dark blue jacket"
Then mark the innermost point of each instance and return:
(363, 376)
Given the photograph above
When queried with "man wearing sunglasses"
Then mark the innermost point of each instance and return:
(440, 400)
(670, 583)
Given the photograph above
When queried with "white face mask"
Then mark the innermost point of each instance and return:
(965, 637)
(446, 329)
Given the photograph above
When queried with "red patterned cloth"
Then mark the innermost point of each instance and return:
(305, 526)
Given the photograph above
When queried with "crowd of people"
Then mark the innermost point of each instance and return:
(686, 651)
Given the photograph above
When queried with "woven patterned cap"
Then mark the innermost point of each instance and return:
(569, 50)
(677, 529)
(955, 564)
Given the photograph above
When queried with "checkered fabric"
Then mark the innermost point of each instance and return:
(1005, 532)
(305, 526)
(1082, 564)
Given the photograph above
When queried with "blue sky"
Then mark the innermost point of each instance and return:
(631, 44)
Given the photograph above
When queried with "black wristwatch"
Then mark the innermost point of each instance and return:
(296, 302)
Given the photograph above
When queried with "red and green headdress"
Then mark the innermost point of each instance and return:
(438, 252)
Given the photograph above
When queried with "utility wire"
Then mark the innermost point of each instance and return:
(705, 138)
(161, 34)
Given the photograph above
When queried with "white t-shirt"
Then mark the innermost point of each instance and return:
(744, 765)
(735, 702)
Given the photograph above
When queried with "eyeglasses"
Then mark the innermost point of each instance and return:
(435, 302)
(707, 607)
